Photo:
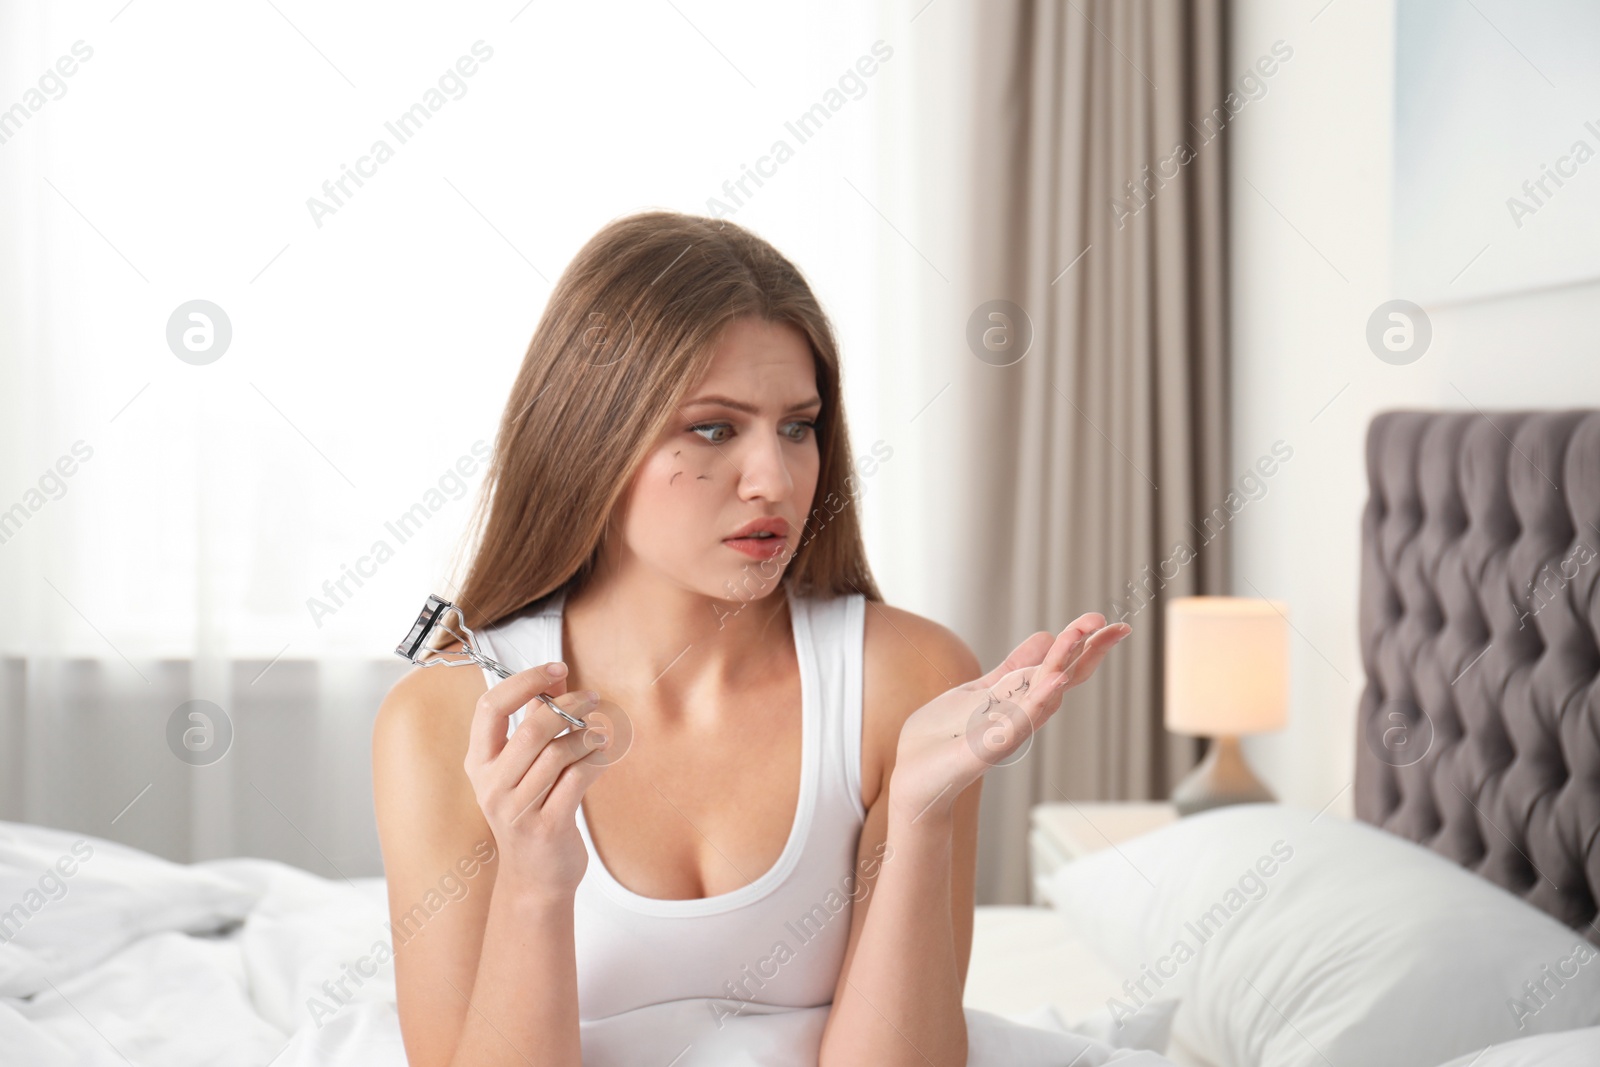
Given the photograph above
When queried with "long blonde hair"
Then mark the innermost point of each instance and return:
(629, 329)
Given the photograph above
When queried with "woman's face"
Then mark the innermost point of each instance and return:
(749, 454)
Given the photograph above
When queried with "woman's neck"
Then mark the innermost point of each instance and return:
(660, 644)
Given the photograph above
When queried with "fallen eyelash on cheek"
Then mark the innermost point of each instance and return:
(701, 475)
(698, 477)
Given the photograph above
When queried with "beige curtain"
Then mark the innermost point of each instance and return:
(1097, 454)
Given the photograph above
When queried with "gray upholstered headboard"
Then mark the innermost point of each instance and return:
(1479, 728)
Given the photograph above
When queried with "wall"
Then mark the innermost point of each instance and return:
(1310, 218)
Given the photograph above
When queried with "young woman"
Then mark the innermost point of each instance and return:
(773, 808)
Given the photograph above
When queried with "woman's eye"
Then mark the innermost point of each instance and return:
(797, 430)
(710, 426)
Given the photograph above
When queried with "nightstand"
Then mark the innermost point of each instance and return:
(1060, 833)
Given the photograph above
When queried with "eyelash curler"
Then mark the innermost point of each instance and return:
(432, 619)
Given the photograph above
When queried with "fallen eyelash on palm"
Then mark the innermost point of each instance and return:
(1079, 648)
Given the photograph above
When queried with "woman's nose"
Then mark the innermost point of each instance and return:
(766, 471)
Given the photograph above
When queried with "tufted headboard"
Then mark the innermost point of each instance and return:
(1479, 728)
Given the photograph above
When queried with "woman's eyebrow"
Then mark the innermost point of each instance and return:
(750, 409)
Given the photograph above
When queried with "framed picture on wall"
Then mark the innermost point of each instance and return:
(1496, 147)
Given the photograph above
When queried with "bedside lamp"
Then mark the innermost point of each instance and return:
(1227, 667)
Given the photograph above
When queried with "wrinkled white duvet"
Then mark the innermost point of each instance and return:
(109, 955)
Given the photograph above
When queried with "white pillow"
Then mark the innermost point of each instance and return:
(1296, 940)
(69, 901)
(1573, 1048)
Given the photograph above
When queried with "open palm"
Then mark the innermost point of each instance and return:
(949, 742)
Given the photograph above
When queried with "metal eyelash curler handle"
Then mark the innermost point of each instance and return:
(432, 618)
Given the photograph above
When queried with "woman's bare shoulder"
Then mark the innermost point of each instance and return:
(426, 810)
(912, 654)
(430, 708)
(908, 660)
(430, 828)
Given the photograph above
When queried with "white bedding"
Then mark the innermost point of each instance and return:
(131, 958)
(1292, 938)
(1028, 959)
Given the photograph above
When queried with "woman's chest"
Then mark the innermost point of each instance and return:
(695, 812)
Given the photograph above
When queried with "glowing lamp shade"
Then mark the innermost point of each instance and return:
(1227, 665)
(1227, 674)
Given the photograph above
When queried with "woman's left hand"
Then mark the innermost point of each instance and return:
(949, 742)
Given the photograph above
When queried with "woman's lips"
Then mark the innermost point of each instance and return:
(758, 547)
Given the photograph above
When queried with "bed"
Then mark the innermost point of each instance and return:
(1456, 915)
(1453, 921)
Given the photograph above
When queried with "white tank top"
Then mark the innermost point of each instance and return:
(652, 972)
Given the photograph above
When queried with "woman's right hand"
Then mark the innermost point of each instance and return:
(529, 785)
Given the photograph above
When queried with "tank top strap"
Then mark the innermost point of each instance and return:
(524, 639)
(838, 626)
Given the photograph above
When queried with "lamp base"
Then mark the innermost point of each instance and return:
(1221, 778)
